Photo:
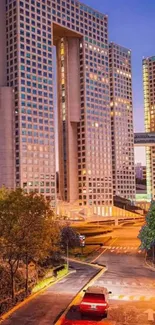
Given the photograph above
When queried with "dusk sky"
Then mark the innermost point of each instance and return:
(132, 24)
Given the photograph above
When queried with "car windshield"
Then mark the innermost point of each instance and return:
(74, 314)
(94, 296)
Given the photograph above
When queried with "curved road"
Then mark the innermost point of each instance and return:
(131, 282)
(44, 309)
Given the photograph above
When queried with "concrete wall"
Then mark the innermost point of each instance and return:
(74, 79)
(73, 162)
(7, 171)
(74, 104)
(72, 117)
(3, 77)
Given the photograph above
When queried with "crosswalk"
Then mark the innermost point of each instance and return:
(129, 290)
(126, 283)
(123, 249)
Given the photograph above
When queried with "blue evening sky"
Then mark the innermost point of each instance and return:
(132, 24)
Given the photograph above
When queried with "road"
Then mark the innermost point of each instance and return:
(131, 283)
(44, 309)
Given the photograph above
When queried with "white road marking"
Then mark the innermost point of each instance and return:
(109, 282)
(150, 313)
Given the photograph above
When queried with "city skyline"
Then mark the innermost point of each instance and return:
(88, 118)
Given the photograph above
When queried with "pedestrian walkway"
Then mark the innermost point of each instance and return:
(123, 249)
(127, 283)
(129, 290)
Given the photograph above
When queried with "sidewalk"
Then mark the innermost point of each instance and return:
(150, 264)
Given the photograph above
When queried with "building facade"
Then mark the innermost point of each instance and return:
(149, 108)
(122, 122)
(140, 171)
(80, 35)
(7, 158)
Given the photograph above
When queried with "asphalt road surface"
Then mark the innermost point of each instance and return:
(131, 282)
(44, 309)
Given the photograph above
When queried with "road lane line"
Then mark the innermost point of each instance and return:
(142, 298)
(28, 299)
(104, 251)
(80, 294)
(109, 282)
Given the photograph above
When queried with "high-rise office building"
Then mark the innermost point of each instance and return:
(30, 28)
(149, 107)
(122, 122)
(140, 171)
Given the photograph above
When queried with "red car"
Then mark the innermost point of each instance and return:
(74, 317)
(95, 301)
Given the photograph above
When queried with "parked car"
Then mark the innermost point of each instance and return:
(95, 301)
(75, 317)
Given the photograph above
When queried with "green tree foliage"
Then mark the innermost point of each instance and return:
(147, 232)
(26, 230)
(69, 237)
(10, 233)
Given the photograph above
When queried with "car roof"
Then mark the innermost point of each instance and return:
(97, 289)
(88, 322)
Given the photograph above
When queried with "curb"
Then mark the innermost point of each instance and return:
(85, 263)
(78, 296)
(149, 266)
(31, 297)
(76, 299)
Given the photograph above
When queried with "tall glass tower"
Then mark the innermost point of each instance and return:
(149, 107)
(122, 122)
(80, 35)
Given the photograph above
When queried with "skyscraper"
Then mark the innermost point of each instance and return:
(149, 107)
(7, 158)
(122, 121)
(80, 35)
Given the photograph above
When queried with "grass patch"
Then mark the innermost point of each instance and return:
(98, 240)
(92, 230)
(83, 254)
(45, 282)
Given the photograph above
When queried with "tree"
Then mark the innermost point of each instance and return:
(147, 232)
(10, 233)
(26, 223)
(69, 237)
(36, 226)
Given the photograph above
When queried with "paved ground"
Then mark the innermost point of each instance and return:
(44, 309)
(132, 285)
